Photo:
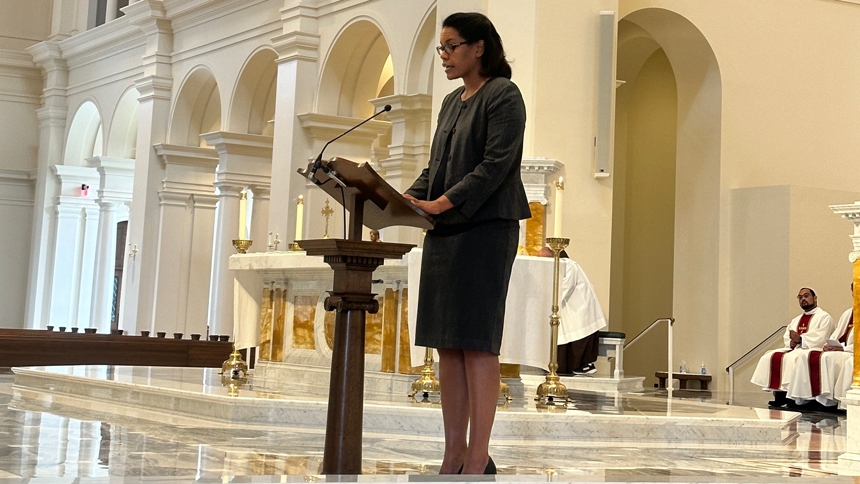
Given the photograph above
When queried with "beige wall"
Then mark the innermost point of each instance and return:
(24, 23)
(563, 116)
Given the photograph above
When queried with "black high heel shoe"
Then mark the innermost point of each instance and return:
(491, 467)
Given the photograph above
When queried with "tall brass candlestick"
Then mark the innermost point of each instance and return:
(552, 389)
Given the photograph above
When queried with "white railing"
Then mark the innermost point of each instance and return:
(671, 322)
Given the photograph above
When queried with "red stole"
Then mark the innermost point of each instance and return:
(776, 358)
(815, 372)
(844, 338)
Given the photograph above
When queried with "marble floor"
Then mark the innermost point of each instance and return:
(47, 441)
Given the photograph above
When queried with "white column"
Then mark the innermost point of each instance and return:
(184, 245)
(116, 182)
(221, 286)
(408, 152)
(298, 52)
(110, 10)
(260, 218)
(243, 160)
(139, 276)
(103, 270)
(52, 128)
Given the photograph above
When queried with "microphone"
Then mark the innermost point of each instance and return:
(318, 161)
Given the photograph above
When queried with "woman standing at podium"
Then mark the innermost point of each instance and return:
(474, 190)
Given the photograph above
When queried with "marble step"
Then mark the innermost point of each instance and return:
(173, 393)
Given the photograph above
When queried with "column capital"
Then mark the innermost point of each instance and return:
(405, 106)
(154, 87)
(261, 191)
(48, 55)
(186, 155)
(226, 142)
(294, 46)
(227, 189)
(851, 211)
(52, 115)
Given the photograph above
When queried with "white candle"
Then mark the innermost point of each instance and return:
(243, 205)
(559, 191)
(300, 211)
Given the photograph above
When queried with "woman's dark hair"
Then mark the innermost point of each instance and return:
(473, 26)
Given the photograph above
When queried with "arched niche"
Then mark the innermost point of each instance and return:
(85, 135)
(672, 79)
(419, 70)
(355, 71)
(197, 109)
(253, 104)
(122, 136)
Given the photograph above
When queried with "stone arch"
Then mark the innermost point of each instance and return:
(356, 69)
(122, 135)
(253, 104)
(85, 138)
(197, 109)
(419, 70)
(656, 41)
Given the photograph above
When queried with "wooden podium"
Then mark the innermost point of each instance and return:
(371, 201)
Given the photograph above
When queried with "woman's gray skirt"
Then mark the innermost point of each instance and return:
(465, 271)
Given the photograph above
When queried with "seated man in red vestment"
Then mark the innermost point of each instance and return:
(807, 331)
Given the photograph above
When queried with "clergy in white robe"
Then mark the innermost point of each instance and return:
(807, 331)
(818, 373)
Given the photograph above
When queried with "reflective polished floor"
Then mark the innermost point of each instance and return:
(53, 442)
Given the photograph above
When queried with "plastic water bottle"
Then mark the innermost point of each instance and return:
(703, 371)
(683, 367)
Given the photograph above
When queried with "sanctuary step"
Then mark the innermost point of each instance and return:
(177, 394)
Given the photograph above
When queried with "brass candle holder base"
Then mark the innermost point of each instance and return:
(505, 391)
(235, 367)
(242, 245)
(427, 383)
(294, 247)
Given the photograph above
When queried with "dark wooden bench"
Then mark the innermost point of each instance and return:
(683, 378)
(34, 347)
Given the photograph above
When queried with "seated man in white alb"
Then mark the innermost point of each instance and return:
(826, 375)
(581, 319)
(807, 331)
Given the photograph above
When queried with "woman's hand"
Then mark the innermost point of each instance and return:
(433, 208)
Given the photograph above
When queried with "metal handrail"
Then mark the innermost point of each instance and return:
(731, 368)
(744, 357)
(671, 322)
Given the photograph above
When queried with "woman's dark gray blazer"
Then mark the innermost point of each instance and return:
(482, 178)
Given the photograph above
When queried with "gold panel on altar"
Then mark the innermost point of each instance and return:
(279, 310)
(535, 228)
(389, 331)
(329, 328)
(266, 325)
(304, 313)
(373, 331)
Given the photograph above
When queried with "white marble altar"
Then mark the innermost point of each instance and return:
(286, 276)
